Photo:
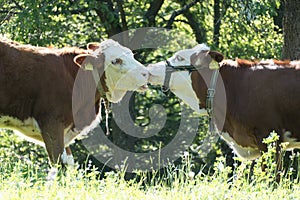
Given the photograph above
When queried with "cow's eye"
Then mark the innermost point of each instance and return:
(117, 61)
(179, 58)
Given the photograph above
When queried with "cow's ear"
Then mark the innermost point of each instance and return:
(93, 46)
(217, 56)
(84, 61)
(206, 59)
(201, 59)
(89, 62)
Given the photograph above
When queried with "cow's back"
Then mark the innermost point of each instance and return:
(35, 84)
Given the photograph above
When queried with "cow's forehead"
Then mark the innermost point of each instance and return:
(112, 49)
(185, 53)
(113, 52)
(117, 52)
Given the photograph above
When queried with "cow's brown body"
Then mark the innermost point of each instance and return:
(260, 97)
(36, 85)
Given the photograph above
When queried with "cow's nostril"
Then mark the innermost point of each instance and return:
(145, 74)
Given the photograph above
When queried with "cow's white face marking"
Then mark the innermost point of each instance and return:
(245, 153)
(157, 73)
(180, 82)
(122, 71)
(183, 57)
(181, 85)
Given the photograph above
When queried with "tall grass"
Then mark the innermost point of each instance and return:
(21, 180)
(177, 184)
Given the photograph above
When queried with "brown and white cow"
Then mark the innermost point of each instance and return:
(260, 97)
(37, 84)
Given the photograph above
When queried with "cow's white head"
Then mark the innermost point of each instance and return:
(122, 72)
(180, 81)
(180, 58)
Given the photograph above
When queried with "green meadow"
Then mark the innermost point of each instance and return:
(24, 178)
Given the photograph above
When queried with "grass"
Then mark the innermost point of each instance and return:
(78, 184)
(24, 180)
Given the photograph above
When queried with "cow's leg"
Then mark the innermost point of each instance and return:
(279, 164)
(252, 169)
(53, 136)
(279, 155)
(67, 157)
(261, 146)
(278, 159)
(54, 142)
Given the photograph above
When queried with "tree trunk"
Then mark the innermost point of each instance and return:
(152, 11)
(198, 29)
(217, 22)
(291, 30)
(193, 20)
(109, 17)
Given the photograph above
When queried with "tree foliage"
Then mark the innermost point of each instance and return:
(244, 25)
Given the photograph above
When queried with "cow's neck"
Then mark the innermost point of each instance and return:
(73, 69)
(84, 107)
(70, 66)
(224, 97)
(200, 80)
